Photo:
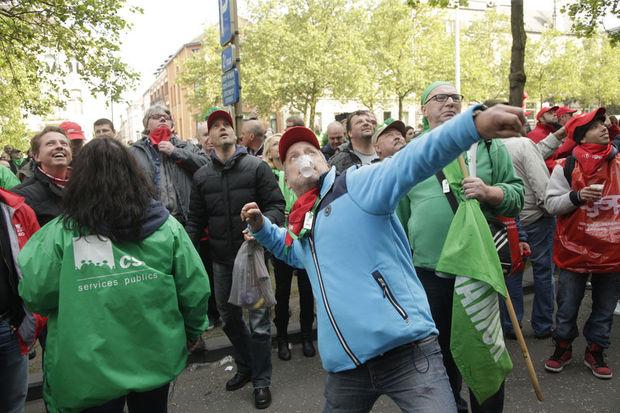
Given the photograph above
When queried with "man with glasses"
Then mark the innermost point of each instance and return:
(426, 215)
(168, 160)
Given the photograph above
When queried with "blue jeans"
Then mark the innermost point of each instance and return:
(251, 347)
(13, 372)
(605, 293)
(412, 375)
(514, 285)
(540, 238)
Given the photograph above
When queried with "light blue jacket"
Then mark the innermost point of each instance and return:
(369, 298)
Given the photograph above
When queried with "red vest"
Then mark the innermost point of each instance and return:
(588, 239)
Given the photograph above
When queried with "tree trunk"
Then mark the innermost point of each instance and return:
(312, 114)
(400, 108)
(517, 58)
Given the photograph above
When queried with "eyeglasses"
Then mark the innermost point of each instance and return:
(442, 97)
(161, 115)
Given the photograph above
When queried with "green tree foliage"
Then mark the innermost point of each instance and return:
(298, 51)
(87, 32)
(407, 48)
(588, 16)
(485, 57)
(567, 70)
(202, 74)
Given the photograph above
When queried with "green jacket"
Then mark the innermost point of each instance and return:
(119, 314)
(289, 195)
(426, 214)
(7, 178)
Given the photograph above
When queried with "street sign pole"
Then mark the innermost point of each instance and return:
(238, 106)
(229, 39)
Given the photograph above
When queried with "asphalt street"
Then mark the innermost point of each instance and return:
(298, 384)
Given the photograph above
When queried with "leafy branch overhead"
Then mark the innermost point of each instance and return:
(39, 39)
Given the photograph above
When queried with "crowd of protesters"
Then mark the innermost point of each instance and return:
(118, 258)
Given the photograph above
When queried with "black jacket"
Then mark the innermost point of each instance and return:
(171, 175)
(41, 195)
(344, 158)
(220, 191)
(328, 151)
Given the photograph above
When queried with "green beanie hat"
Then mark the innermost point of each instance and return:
(425, 95)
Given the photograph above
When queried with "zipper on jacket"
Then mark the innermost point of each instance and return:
(387, 293)
(328, 309)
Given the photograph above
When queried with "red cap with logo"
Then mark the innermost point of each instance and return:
(544, 110)
(296, 134)
(577, 127)
(219, 114)
(73, 130)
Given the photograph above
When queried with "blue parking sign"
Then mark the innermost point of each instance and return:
(226, 27)
(230, 87)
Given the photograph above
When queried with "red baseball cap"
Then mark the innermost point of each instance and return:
(296, 134)
(563, 110)
(73, 130)
(544, 110)
(577, 127)
(219, 114)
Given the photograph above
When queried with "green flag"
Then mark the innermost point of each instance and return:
(469, 253)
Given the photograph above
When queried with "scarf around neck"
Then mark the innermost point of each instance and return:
(302, 210)
(591, 156)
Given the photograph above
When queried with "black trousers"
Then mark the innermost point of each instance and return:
(153, 401)
(284, 278)
(439, 292)
(212, 311)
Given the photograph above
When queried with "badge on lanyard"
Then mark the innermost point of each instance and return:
(308, 220)
(445, 186)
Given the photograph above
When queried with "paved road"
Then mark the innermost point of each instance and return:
(298, 384)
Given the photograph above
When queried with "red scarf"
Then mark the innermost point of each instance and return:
(160, 134)
(296, 217)
(59, 182)
(591, 156)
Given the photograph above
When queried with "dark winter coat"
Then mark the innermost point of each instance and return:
(171, 175)
(219, 192)
(344, 158)
(43, 196)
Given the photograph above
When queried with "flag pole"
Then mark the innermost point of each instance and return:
(515, 323)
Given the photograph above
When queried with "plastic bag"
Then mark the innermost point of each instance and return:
(251, 285)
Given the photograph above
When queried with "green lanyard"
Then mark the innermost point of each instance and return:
(308, 218)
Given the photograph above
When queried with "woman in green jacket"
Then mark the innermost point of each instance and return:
(284, 272)
(123, 287)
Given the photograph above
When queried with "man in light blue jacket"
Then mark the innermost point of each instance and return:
(376, 334)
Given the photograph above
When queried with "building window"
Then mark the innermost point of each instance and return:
(387, 115)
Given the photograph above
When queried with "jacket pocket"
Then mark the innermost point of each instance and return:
(387, 294)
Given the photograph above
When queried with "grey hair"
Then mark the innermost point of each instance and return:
(154, 109)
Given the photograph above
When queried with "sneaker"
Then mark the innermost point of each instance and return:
(595, 360)
(617, 310)
(561, 357)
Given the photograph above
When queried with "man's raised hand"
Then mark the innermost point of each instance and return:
(251, 214)
(500, 121)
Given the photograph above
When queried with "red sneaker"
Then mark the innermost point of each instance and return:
(562, 356)
(595, 360)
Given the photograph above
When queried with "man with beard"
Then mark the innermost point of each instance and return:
(220, 188)
(359, 150)
(374, 324)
